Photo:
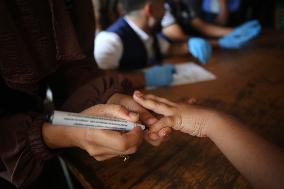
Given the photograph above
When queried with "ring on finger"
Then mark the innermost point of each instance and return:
(125, 157)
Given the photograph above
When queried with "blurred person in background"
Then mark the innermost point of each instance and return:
(133, 43)
(182, 21)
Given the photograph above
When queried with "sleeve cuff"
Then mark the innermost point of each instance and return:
(35, 139)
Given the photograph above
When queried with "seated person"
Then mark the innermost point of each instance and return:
(220, 11)
(259, 161)
(47, 50)
(106, 13)
(182, 19)
(131, 43)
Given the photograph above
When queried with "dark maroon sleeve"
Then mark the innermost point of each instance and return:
(97, 91)
(79, 85)
(22, 150)
(29, 62)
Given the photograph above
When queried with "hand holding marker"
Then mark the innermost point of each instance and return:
(90, 121)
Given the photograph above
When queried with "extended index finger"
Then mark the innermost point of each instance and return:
(152, 104)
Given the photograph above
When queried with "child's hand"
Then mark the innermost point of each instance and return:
(183, 117)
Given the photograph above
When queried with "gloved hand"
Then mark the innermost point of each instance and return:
(200, 49)
(240, 35)
(159, 75)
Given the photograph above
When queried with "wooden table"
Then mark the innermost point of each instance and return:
(249, 85)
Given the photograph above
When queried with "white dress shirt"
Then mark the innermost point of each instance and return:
(168, 18)
(109, 47)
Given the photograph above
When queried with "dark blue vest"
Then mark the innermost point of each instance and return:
(134, 51)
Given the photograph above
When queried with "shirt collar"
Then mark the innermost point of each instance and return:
(143, 35)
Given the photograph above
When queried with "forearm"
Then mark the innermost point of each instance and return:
(136, 77)
(223, 14)
(56, 136)
(178, 49)
(210, 29)
(259, 161)
(175, 33)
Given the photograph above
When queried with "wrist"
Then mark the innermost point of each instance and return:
(59, 136)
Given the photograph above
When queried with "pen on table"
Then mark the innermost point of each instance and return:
(90, 121)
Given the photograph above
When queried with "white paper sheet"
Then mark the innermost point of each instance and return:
(190, 72)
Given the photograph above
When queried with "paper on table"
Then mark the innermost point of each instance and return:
(190, 72)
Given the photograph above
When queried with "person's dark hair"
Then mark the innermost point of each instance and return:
(133, 5)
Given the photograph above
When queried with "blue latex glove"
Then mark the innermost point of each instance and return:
(159, 75)
(240, 35)
(250, 24)
(200, 49)
(247, 31)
